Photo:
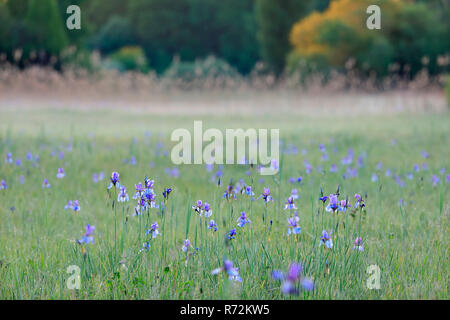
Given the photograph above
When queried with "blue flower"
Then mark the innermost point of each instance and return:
(326, 239)
(230, 270)
(242, 220)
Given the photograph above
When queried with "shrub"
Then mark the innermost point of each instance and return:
(129, 58)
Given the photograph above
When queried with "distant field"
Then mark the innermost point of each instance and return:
(404, 226)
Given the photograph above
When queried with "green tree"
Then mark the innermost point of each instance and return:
(46, 27)
(275, 19)
(5, 29)
(18, 8)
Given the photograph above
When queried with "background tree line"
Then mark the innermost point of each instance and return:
(287, 35)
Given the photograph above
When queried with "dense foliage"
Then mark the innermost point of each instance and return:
(302, 35)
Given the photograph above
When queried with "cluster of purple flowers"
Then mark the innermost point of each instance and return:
(230, 270)
(290, 280)
(145, 195)
(72, 205)
(203, 209)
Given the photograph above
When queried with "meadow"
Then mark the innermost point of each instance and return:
(398, 163)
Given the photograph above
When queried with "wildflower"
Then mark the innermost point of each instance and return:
(447, 178)
(359, 201)
(358, 244)
(333, 203)
(72, 205)
(248, 191)
(3, 185)
(88, 236)
(333, 168)
(293, 225)
(294, 194)
(323, 198)
(61, 174)
(212, 225)
(149, 199)
(153, 230)
(166, 193)
(344, 205)
(123, 195)
(186, 245)
(207, 210)
(231, 234)
(266, 195)
(9, 158)
(379, 166)
(290, 204)
(416, 168)
(231, 271)
(326, 239)
(145, 246)
(229, 192)
(242, 220)
(45, 184)
(198, 207)
(290, 280)
(374, 177)
(435, 180)
(139, 191)
(425, 154)
(114, 180)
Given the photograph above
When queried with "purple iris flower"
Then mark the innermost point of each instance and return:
(333, 168)
(447, 178)
(139, 191)
(374, 177)
(242, 220)
(290, 280)
(123, 195)
(230, 192)
(435, 180)
(153, 230)
(212, 225)
(358, 244)
(230, 270)
(290, 204)
(166, 193)
(248, 191)
(293, 227)
(379, 166)
(294, 194)
(359, 201)
(186, 245)
(231, 234)
(114, 181)
(61, 174)
(425, 154)
(88, 237)
(266, 195)
(9, 158)
(344, 205)
(333, 204)
(45, 184)
(3, 185)
(72, 205)
(326, 239)
(416, 168)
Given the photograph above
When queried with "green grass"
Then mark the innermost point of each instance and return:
(37, 238)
